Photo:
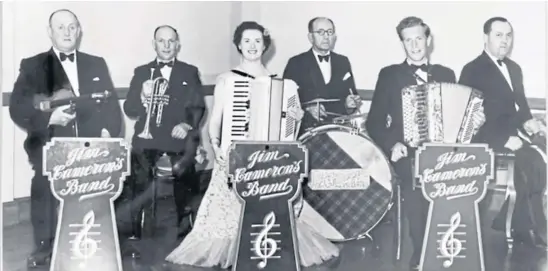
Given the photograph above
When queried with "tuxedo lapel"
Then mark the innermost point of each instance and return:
(336, 67)
(491, 67)
(406, 78)
(55, 75)
(314, 71)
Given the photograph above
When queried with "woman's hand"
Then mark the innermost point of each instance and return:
(295, 113)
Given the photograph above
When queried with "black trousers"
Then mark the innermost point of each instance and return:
(530, 184)
(137, 193)
(414, 205)
(43, 205)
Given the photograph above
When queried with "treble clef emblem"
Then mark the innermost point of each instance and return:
(264, 246)
(450, 247)
(84, 247)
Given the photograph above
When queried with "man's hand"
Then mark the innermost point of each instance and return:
(352, 101)
(219, 156)
(200, 155)
(514, 143)
(146, 90)
(399, 151)
(479, 118)
(59, 117)
(180, 130)
(532, 126)
(314, 110)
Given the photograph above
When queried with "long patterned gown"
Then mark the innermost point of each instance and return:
(212, 241)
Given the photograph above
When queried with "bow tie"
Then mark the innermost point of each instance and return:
(64, 57)
(163, 64)
(324, 58)
(499, 62)
(422, 67)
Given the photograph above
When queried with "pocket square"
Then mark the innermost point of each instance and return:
(346, 76)
(185, 83)
(96, 79)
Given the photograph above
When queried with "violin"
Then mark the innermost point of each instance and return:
(63, 97)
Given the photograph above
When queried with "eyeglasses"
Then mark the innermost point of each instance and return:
(322, 32)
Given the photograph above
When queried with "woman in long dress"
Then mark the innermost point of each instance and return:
(212, 240)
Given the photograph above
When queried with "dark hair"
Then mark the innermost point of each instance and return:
(166, 26)
(411, 21)
(489, 23)
(311, 23)
(61, 10)
(249, 25)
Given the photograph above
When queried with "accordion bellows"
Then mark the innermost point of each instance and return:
(258, 110)
(440, 112)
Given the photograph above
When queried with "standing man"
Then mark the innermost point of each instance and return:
(507, 117)
(385, 119)
(62, 68)
(322, 73)
(174, 126)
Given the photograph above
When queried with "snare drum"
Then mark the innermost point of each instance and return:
(349, 183)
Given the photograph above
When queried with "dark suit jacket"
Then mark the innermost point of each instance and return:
(304, 70)
(387, 102)
(186, 104)
(43, 74)
(502, 120)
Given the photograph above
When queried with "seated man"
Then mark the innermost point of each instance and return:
(173, 124)
(507, 116)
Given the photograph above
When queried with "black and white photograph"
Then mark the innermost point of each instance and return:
(274, 135)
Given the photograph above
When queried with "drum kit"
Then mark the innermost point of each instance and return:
(350, 185)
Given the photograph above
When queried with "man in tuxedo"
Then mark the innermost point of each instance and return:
(385, 120)
(322, 73)
(175, 129)
(61, 69)
(509, 124)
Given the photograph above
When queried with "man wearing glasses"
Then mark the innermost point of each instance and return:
(322, 74)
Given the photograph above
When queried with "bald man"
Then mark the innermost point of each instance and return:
(175, 131)
(60, 68)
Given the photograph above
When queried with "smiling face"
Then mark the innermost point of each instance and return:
(499, 40)
(415, 43)
(64, 31)
(166, 43)
(252, 44)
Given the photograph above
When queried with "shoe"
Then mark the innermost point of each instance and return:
(41, 256)
(130, 249)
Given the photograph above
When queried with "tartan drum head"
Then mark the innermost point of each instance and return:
(349, 188)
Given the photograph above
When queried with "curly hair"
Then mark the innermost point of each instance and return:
(238, 33)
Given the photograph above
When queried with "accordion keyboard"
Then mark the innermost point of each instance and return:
(468, 129)
(239, 126)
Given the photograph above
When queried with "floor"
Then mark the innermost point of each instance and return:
(355, 255)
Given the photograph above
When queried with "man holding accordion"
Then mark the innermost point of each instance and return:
(385, 122)
(166, 98)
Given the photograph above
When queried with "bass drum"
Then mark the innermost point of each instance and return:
(349, 187)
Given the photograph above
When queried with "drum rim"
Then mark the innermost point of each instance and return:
(328, 127)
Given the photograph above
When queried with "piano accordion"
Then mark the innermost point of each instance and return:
(258, 110)
(440, 112)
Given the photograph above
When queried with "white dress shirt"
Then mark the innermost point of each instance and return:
(71, 70)
(166, 70)
(420, 73)
(325, 66)
(504, 70)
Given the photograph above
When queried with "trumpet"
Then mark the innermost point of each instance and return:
(155, 105)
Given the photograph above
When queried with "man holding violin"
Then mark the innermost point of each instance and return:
(166, 98)
(60, 73)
